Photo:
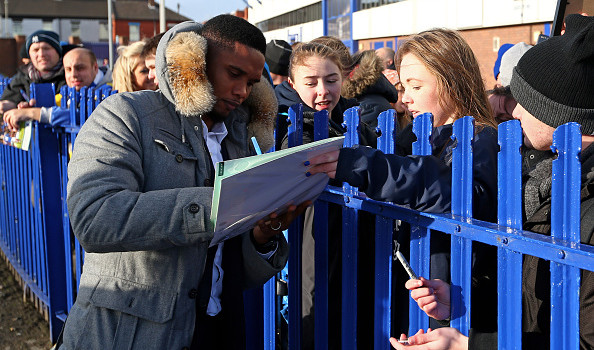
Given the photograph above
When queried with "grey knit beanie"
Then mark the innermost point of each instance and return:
(509, 60)
(554, 81)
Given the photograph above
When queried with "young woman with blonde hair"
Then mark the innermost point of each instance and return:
(129, 71)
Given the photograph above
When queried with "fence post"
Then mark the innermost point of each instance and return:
(350, 243)
(565, 225)
(461, 248)
(321, 250)
(383, 247)
(420, 238)
(52, 216)
(295, 133)
(509, 213)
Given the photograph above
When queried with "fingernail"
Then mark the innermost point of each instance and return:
(306, 163)
(308, 174)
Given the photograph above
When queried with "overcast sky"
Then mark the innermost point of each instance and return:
(201, 10)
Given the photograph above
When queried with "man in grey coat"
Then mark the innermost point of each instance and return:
(139, 198)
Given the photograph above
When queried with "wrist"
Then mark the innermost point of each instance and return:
(264, 247)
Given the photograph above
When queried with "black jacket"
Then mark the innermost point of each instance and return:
(287, 96)
(377, 99)
(536, 285)
(21, 80)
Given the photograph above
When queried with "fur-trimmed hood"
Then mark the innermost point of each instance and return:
(367, 78)
(180, 64)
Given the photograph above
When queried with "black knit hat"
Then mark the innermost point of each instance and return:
(554, 80)
(47, 36)
(278, 54)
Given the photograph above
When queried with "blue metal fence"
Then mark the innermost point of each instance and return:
(36, 237)
(563, 249)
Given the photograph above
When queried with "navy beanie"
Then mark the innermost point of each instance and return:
(47, 36)
(553, 81)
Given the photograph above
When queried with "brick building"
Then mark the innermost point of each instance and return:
(79, 21)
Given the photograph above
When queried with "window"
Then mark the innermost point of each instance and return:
(103, 31)
(17, 27)
(303, 15)
(367, 4)
(75, 28)
(134, 31)
(48, 25)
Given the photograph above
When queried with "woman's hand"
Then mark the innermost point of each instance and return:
(432, 296)
(439, 339)
(274, 224)
(323, 163)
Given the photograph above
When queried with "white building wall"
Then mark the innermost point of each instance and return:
(89, 29)
(300, 33)
(412, 16)
(265, 9)
(31, 25)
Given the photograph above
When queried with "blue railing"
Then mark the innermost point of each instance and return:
(562, 249)
(35, 235)
(37, 240)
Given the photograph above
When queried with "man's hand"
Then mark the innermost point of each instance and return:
(439, 339)
(324, 163)
(432, 296)
(274, 224)
(25, 104)
(14, 116)
(6, 105)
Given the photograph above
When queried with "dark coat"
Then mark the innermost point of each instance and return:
(423, 182)
(287, 97)
(369, 86)
(22, 81)
(376, 99)
(536, 285)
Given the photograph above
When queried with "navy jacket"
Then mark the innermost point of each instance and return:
(424, 182)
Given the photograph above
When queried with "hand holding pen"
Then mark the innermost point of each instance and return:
(432, 296)
(28, 101)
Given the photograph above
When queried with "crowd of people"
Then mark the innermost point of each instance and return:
(196, 95)
(48, 60)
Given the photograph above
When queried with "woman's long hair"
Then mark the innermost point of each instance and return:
(459, 83)
(123, 69)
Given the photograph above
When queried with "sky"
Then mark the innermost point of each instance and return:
(201, 10)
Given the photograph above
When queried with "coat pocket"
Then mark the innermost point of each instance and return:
(134, 299)
(127, 315)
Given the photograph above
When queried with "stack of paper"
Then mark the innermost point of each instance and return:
(249, 189)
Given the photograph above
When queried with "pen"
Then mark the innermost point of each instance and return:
(405, 263)
(256, 145)
(25, 96)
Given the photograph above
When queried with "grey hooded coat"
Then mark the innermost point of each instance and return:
(139, 199)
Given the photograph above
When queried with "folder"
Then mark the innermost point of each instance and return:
(247, 190)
